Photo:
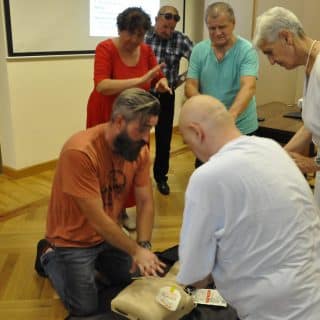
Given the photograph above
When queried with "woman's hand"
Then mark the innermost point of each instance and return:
(153, 73)
(163, 86)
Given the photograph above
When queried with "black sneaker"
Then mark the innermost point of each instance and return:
(163, 187)
(43, 244)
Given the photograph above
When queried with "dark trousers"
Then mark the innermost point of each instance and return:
(198, 162)
(72, 272)
(163, 134)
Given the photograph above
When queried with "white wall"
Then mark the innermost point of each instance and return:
(193, 28)
(6, 133)
(194, 19)
(48, 103)
(43, 101)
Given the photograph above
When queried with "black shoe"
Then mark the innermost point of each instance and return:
(43, 244)
(163, 187)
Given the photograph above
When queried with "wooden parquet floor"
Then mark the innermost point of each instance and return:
(23, 205)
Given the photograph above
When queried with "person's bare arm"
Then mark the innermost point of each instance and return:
(145, 212)
(298, 148)
(306, 164)
(245, 94)
(92, 209)
(300, 141)
(147, 262)
(163, 86)
(114, 86)
(191, 88)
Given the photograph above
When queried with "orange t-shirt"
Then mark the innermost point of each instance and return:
(87, 168)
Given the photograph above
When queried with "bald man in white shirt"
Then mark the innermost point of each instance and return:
(250, 221)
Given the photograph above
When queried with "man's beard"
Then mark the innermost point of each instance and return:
(126, 147)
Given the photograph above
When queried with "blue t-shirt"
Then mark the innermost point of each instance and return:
(221, 79)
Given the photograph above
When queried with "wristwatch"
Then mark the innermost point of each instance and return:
(145, 244)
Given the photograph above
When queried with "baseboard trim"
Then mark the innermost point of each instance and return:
(29, 171)
(38, 168)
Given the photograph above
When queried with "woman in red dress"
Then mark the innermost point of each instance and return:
(121, 63)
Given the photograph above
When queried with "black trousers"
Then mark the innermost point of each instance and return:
(163, 134)
(198, 162)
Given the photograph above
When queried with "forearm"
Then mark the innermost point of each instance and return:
(114, 86)
(191, 89)
(242, 100)
(105, 226)
(300, 141)
(142, 258)
(145, 217)
(113, 234)
(145, 221)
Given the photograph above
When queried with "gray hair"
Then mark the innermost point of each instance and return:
(135, 103)
(163, 9)
(215, 9)
(272, 22)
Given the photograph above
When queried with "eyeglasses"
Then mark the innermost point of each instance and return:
(170, 16)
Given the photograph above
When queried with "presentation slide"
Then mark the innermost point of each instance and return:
(103, 21)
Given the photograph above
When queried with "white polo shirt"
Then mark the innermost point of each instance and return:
(251, 221)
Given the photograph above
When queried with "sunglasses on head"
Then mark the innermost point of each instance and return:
(170, 16)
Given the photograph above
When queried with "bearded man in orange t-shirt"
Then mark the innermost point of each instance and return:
(94, 174)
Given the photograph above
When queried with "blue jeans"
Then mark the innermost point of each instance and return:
(73, 271)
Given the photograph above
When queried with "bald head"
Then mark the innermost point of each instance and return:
(205, 110)
(206, 125)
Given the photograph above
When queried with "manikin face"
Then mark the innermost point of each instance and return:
(279, 52)
(166, 23)
(133, 136)
(220, 30)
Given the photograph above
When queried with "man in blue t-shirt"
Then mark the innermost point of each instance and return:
(225, 67)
